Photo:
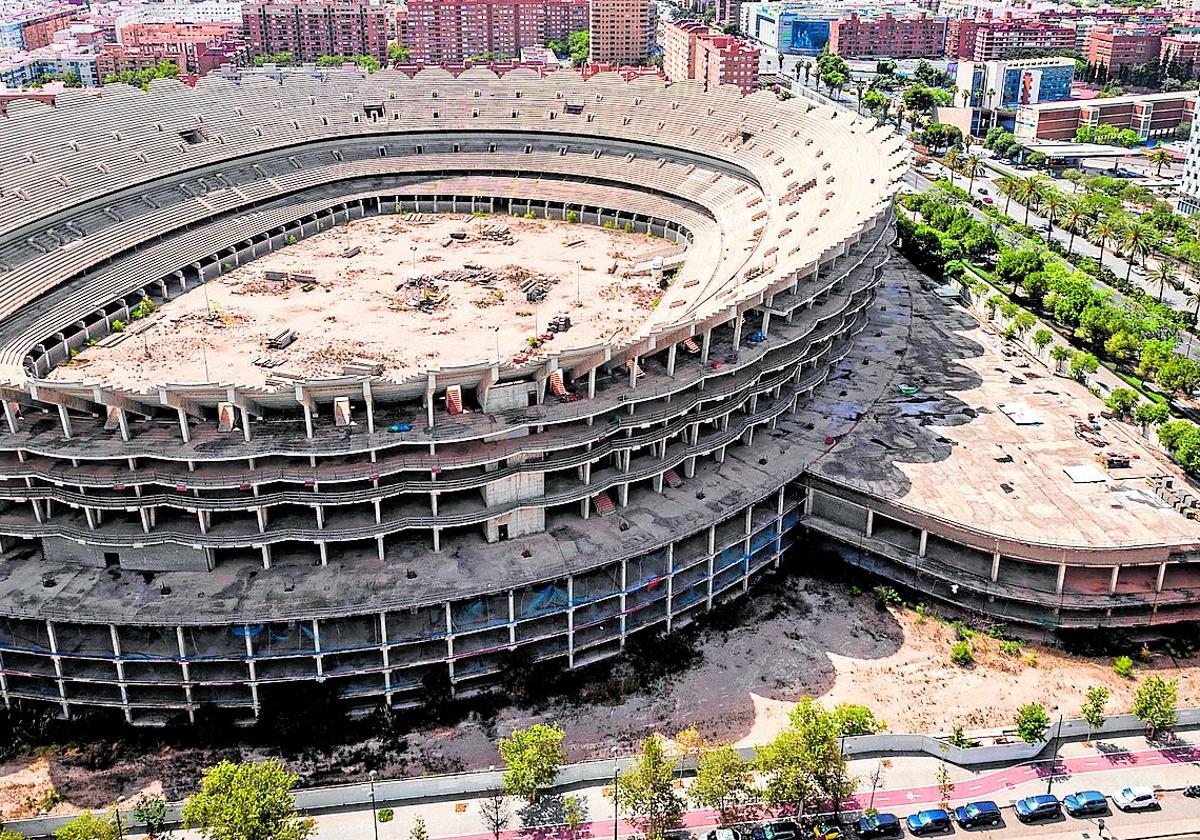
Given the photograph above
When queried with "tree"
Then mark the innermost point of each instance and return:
(419, 830)
(972, 168)
(1159, 158)
(246, 801)
(1105, 231)
(1029, 192)
(1032, 722)
(689, 744)
(493, 810)
(1178, 374)
(398, 54)
(533, 757)
(1041, 338)
(1093, 708)
(951, 160)
(1121, 401)
(646, 794)
(1014, 266)
(820, 734)
(143, 78)
(1076, 218)
(1059, 353)
(574, 814)
(1150, 413)
(152, 813)
(723, 782)
(1137, 241)
(784, 764)
(1083, 365)
(88, 826)
(1154, 703)
(1053, 203)
(945, 784)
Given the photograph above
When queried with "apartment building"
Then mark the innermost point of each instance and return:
(313, 28)
(621, 31)
(992, 39)
(196, 48)
(1183, 50)
(32, 29)
(451, 31)
(693, 51)
(919, 36)
(1113, 48)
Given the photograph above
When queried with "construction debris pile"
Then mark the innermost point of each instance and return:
(428, 292)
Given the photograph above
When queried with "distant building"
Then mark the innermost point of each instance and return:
(916, 36)
(1152, 116)
(991, 39)
(787, 28)
(451, 31)
(621, 31)
(1002, 86)
(1181, 50)
(1113, 48)
(314, 28)
(196, 48)
(692, 51)
(34, 28)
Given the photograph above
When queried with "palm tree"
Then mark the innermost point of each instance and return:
(1136, 239)
(1163, 275)
(1053, 203)
(951, 160)
(1076, 219)
(859, 84)
(1160, 157)
(1104, 231)
(1028, 192)
(972, 168)
(1194, 297)
(1007, 185)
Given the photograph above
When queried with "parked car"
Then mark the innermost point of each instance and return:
(827, 831)
(782, 830)
(983, 191)
(724, 834)
(1085, 803)
(987, 199)
(975, 814)
(1033, 808)
(932, 821)
(880, 825)
(1192, 791)
(1140, 798)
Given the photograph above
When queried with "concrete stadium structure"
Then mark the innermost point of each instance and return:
(187, 544)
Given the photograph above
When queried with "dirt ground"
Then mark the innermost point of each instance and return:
(414, 296)
(794, 637)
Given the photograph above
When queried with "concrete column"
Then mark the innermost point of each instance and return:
(252, 670)
(1112, 580)
(185, 668)
(261, 514)
(870, 521)
(316, 628)
(512, 619)
(10, 415)
(116, 647)
(385, 654)
(670, 583)
(737, 332)
(1158, 581)
(591, 383)
(633, 372)
(995, 566)
(671, 353)
(705, 345)
(65, 419)
(570, 621)
(266, 556)
(183, 426)
(624, 587)
(921, 549)
(1062, 576)
(324, 553)
(58, 671)
(450, 645)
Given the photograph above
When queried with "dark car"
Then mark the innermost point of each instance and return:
(782, 830)
(975, 814)
(931, 821)
(880, 825)
(1085, 803)
(1041, 807)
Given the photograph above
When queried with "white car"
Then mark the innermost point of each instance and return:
(1135, 798)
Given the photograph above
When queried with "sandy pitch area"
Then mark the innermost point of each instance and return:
(414, 296)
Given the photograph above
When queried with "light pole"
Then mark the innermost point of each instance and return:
(578, 293)
(413, 249)
(117, 814)
(616, 813)
(374, 810)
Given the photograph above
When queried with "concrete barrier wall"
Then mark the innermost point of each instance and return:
(465, 785)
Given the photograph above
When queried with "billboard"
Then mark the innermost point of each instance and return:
(802, 36)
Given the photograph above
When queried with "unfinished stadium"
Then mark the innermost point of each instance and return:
(531, 477)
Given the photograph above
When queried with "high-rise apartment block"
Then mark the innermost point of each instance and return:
(621, 31)
(991, 39)
(451, 31)
(920, 36)
(693, 51)
(314, 28)
(1113, 48)
(34, 28)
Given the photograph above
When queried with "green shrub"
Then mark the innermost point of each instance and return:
(118, 325)
(885, 596)
(529, 214)
(572, 216)
(1032, 722)
(961, 653)
(1011, 647)
(385, 815)
(628, 227)
(1123, 667)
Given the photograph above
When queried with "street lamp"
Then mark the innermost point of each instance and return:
(616, 775)
(1054, 754)
(374, 811)
(117, 814)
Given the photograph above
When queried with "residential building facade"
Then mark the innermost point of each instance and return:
(916, 36)
(1113, 48)
(992, 39)
(1152, 116)
(451, 31)
(314, 28)
(621, 31)
(692, 51)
